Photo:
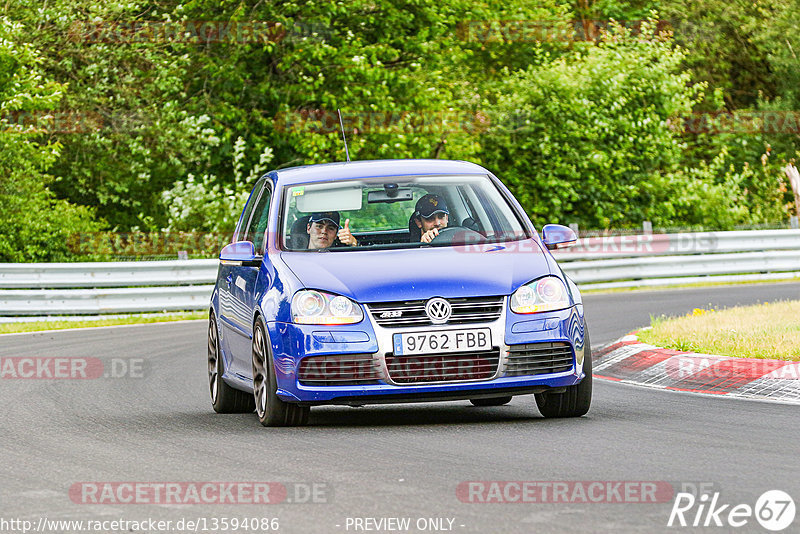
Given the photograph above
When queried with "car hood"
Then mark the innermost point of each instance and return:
(411, 274)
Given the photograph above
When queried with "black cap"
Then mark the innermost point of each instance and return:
(318, 216)
(430, 204)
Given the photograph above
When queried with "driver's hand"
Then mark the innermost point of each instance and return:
(428, 236)
(345, 236)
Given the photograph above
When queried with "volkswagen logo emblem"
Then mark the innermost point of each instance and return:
(438, 310)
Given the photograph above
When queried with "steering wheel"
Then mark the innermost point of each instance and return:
(458, 234)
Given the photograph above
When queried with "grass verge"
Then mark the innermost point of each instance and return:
(770, 330)
(144, 318)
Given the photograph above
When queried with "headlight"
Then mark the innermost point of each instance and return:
(545, 294)
(317, 307)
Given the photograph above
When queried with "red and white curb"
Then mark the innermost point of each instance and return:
(631, 361)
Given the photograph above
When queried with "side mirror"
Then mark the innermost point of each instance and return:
(240, 253)
(558, 236)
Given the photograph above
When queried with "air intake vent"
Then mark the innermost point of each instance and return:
(426, 368)
(539, 359)
(344, 370)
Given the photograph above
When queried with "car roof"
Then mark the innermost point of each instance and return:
(374, 168)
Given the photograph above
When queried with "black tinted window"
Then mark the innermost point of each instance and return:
(257, 226)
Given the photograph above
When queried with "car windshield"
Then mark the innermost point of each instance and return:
(396, 212)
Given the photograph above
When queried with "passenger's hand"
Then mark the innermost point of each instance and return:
(345, 237)
(428, 236)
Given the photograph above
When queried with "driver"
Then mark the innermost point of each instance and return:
(430, 216)
(323, 228)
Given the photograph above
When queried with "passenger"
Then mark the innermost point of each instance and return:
(430, 216)
(322, 230)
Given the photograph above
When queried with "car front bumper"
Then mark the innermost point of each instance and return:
(291, 343)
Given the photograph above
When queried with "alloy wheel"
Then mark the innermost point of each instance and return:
(213, 356)
(260, 383)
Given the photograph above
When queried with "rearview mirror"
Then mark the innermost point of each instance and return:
(557, 236)
(240, 253)
(390, 194)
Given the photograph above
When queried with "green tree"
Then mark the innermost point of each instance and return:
(587, 138)
(144, 132)
(34, 225)
(202, 204)
(372, 60)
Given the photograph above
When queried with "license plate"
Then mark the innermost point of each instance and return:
(473, 339)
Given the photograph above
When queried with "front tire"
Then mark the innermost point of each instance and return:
(224, 399)
(575, 401)
(271, 410)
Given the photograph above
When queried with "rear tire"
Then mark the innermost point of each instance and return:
(575, 401)
(497, 401)
(224, 399)
(271, 410)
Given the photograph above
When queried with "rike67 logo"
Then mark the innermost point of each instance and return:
(774, 510)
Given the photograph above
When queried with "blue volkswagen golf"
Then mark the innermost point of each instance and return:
(393, 281)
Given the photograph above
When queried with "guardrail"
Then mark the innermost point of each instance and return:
(600, 262)
(107, 287)
(107, 274)
(596, 248)
(668, 259)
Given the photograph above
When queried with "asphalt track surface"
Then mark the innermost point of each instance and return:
(403, 461)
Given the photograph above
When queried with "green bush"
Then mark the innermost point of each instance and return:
(207, 204)
(588, 138)
(34, 225)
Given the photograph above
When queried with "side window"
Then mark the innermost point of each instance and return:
(248, 210)
(257, 226)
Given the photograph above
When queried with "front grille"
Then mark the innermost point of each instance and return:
(424, 368)
(339, 370)
(412, 312)
(538, 359)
